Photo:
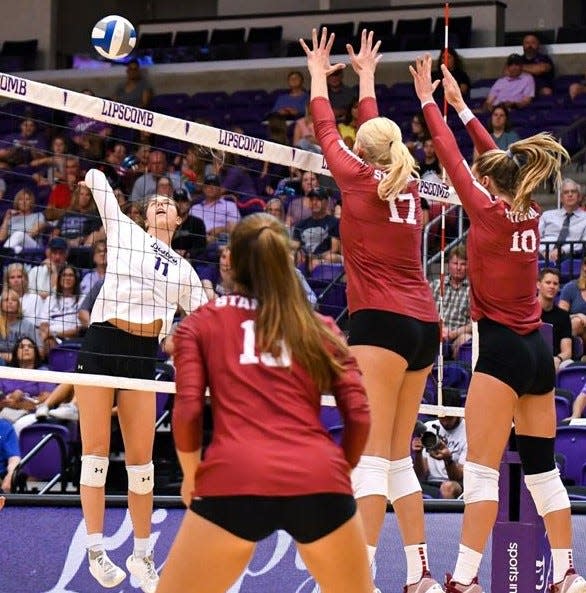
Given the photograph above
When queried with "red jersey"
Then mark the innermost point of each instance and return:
(502, 246)
(381, 240)
(268, 438)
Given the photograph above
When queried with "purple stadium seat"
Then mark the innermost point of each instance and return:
(327, 272)
(570, 443)
(562, 408)
(465, 352)
(570, 269)
(332, 421)
(572, 378)
(583, 480)
(64, 357)
(49, 461)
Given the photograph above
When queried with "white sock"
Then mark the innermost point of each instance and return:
(141, 546)
(563, 560)
(95, 542)
(371, 551)
(417, 564)
(467, 565)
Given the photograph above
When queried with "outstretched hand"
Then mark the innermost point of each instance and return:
(318, 57)
(452, 91)
(424, 87)
(367, 58)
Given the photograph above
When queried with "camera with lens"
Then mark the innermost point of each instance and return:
(430, 439)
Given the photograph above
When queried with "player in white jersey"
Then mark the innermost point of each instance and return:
(146, 282)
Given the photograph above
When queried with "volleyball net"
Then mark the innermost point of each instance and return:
(124, 141)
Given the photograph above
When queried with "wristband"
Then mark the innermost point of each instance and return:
(466, 115)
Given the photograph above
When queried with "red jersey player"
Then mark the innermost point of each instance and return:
(266, 357)
(514, 376)
(393, 325)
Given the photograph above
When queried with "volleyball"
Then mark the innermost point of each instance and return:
(114, 37)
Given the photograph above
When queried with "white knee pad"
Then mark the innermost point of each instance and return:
(94, 470)
(370, 476)
(141, 478)
(481, 483)
(402, 479)
(548, 492)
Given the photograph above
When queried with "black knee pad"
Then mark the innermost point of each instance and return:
(536, 453)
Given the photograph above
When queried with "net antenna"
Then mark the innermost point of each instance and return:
(442, 276)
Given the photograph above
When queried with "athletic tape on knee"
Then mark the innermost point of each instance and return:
(141, 478)
(94, 470)
(548, 492)
(370, 476)
(481, 483)
(402, 479)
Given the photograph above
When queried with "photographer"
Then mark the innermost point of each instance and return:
(440, 451)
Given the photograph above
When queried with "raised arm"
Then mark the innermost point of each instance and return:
(364, 64)
(104, 197)
(482, 140)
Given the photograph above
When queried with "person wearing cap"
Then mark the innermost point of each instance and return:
(515, 89)
(189, 239)
(42, 279)
(318, 236)
(341, 95)
(219, 214)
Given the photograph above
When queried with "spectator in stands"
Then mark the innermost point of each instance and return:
(441, 468)
(116, 154)
(80, 224)
(20, 397)
(538, 64)
(164, 186)
(60, 404)
(291, 105)
(54, 162)
(217, 279)
(457, 325)
(43, 278)
(189, 239)
(9, 456)
(573, 300)
(499, 127)
(577, 88)
(418, 135)
(341, 96)
(349, 125)
(135, 90)
(13, 326)
(22, 226)
(299, 207)
(515, 89)
(24, 147)
(218, 213)
(579, 405)
(560, 226)
(62, 307)
(60, 196)
(304, 134)
(134, 212)
(192, 170)
(31, 303)
(317, 238)
(235, 180)
(98, 272)
(87, 304)
(146, 184)
(456, 68)
(429, 163)
(548, 286)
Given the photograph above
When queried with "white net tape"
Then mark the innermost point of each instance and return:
(111, 112)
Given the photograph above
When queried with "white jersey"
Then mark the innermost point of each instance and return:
(145, 279)
(456, 443)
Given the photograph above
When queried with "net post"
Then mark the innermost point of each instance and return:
(521, 556)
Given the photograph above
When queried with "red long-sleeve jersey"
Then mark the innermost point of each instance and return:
(268, 438)
(381, 240)
(502, 246)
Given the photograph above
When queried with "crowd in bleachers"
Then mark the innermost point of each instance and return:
(52, 249)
